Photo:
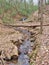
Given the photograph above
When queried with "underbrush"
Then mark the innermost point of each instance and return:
(12, 9)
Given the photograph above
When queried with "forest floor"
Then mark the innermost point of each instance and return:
(11, 39)
(43, 53)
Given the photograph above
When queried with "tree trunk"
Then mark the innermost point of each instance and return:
(31, 2)
(44, 2)
(25, 4)
(40, 5)
(48, 1)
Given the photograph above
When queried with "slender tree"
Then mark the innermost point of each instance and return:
(44, 2)
(25, 4)
(48, 1)
(40, 5)
(31, 2)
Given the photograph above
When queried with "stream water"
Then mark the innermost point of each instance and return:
(24, 49)
(23, 19)
(23, 58)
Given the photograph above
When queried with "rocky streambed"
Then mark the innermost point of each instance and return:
(23, 46)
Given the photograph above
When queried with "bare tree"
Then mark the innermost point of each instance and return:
(25, 4)
(48, 1)
(31, 2)
(44, 2)
(40, 5)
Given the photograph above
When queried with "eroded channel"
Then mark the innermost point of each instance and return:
(24, 49)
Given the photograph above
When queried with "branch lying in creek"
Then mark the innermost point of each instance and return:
(2, 61)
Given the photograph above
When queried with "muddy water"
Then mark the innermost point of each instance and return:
(24, 49)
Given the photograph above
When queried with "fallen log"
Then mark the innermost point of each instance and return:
(25, 25)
